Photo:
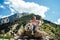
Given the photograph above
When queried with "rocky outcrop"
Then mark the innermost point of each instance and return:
(26, 34)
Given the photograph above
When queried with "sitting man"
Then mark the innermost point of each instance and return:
(34, 24)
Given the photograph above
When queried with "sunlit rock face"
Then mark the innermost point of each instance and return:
(4, 20)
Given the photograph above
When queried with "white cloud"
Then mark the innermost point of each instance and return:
(1, 6)
(12, 11)
(6, 2)
(58, 21)
(30, 7)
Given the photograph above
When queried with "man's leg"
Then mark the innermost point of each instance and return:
(32, 30)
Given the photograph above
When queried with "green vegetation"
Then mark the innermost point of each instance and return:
(52, 29)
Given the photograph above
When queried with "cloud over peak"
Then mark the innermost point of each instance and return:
(30, 7)
(58, 21)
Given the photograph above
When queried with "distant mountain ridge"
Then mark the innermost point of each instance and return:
(11, 18)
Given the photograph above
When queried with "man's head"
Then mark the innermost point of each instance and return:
(34, 18)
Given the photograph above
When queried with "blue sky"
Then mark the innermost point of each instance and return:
(54, 8)
(53, 14)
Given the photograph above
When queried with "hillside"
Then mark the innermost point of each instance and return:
(52, 29)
